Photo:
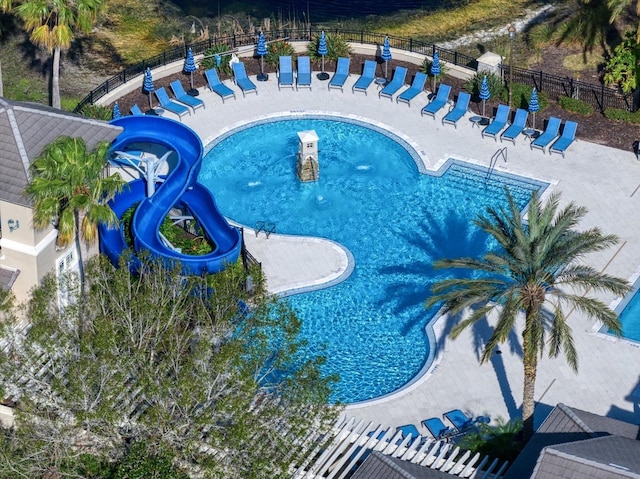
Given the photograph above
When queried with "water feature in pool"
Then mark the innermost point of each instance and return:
(372, 199)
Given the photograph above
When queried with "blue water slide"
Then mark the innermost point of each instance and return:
(179, 188)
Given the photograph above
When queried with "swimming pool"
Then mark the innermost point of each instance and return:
(372, 199)
(629, 314)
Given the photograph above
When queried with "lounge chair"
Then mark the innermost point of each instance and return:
(548, 135)
(366, 79)
(395, 84)
(460, 421)
(438, 102)
(135, 110)
(242, 80)
(170, 105)
(285, 72)
(303, 79)
(342, 73)
(437, 428)
(458, 111)
(414, 90)
(498, 123)
(183, 97)
(568, 136)
(217, 86)
(409, 430)
(519, 122)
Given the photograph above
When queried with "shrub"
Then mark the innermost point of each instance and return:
(522, 94)
(277, 49)
(493, 82)
(336, 47)
(617, 114)
(576, 106)
(210, 60)
(97, 112)
(426, 68)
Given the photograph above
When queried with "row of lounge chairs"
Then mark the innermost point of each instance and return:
(460, 425)
(548, 138)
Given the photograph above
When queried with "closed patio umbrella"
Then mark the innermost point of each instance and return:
(485, 94)
(435, 68)
(190, 67)
(386, 54)
(261, 50)
(322, 51)
(116, 111)
(534, 106)
(147, 85)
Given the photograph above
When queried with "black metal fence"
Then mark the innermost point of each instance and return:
(597, 95)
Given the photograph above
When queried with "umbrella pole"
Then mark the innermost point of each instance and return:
(483, 105)
(191, 75)
(322, 63)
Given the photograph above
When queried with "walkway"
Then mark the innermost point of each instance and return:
(602, 179)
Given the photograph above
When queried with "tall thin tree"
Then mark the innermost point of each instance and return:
(52, 25)
(535, 272)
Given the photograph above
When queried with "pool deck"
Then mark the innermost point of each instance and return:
(604, 180)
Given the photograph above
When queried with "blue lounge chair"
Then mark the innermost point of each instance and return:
(285, 72)
(182, 97)
(242, 80)
(437, 428)
(549, 134)
(519, 122)
(366, 79)
(498, 123)
(409, 430)
(438, 102)
(567, 137)
(414, 90)
(135, 110)
(395, 84)
(170, 105)
(460, 421)
(342, 73)
(458, 111)
(217, 86)
(303, 79)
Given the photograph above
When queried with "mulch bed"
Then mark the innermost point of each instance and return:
(595, 128)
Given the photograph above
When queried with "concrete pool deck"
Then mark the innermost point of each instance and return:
(603, 179)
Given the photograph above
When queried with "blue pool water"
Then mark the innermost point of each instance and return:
(629, 314)
(371, 199)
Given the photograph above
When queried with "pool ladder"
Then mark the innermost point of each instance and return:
(265, 227)
(501, 152)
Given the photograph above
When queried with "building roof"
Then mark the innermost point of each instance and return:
(26, 128)
(607, 457)
(560, 434)
(379, 466)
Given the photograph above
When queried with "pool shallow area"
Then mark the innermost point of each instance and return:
(629, 314)
(372, 199)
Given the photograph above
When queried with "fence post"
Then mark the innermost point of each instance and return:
(411, 45)
(455, 58)
(602, 97)
(361, 36)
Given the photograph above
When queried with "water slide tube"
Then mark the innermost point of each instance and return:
(179, 188)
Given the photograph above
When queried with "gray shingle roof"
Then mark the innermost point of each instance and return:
(26, 128)
(566, 425)
(379, 466)
(606, 457)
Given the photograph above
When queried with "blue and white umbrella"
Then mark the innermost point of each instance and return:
(386, 54)
(190, 65)
(261, 50)
(485, 94)
(322, 48)
(534, 106)
(116, 111)
(147, 85)
(435, 68)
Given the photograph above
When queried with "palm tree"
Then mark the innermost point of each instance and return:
(534, 272)
(618, 6)
(51, 24)
(68, 185)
